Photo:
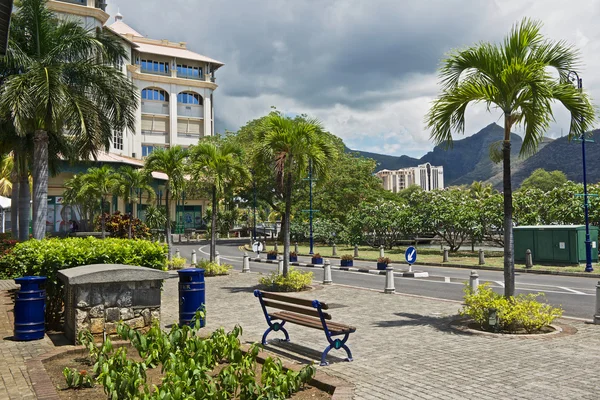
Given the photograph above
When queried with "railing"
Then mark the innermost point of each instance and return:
(155, 107)
(157, 133)
(190, 110)
(153, 72)
(79, 2)
(185, 75)
(188, 135)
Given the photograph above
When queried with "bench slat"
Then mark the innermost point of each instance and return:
(312, 323)
(290, 299)
(300, 310)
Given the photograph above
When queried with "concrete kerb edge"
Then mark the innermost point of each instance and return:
(44, 389)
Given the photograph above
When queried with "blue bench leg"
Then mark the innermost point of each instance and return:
(348, 352)
(324, 356)
(264, 338)
(275, 327)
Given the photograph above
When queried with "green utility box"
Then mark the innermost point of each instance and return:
(556, 244)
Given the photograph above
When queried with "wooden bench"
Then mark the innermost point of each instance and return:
(308, 313)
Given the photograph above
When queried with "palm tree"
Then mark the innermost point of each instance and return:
(130, 182)
(61, 85)
(6, 168)
(289, 146)
(172, 163)
(218, 165)
(516, 78)
(83, 198)
(100, 181)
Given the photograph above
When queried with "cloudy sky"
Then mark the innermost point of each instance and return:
(366, 68)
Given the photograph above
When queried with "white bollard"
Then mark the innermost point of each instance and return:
(389, 281)
(296, 248)
(445, 259)
(334, 250)
(528, 259)
(194, 259)
(275, 247)
(474, 281)
(481, 257)
(381, 251)
(217, 258)
(355, 251)
(279, 265)
(327, 273)
(246, 263)
(177, 253)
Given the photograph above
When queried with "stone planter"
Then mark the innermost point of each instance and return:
(382, 266)
(317, 260)
(346, 263)
(293, 258)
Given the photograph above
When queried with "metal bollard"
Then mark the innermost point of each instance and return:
(177, 253)
(334, 250)
(246, 263)
(194, 259)
(327, 273)
(481, 257)
(528, 259)
(381, 251)
(389, 281)
(445, 259)
(355, 251)
(275, 247)
(474, 281)
(296, 248)
(279, 265)
(597, 315)
(217, 258)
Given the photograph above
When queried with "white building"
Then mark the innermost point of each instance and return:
(425, 175)
(175, 84)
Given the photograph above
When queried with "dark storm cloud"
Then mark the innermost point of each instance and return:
(320, 53)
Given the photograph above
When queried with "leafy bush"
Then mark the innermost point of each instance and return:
(347, 257)
(6, 243)
(294, 282)
(384, 260)
(176, 263)
(46, 257)
(118, 226)
(522, 312)
(187, 361)
(214, 269)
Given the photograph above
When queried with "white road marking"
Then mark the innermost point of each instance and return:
(573, 291)
(499, 283)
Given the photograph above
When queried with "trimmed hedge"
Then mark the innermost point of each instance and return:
(46, 257)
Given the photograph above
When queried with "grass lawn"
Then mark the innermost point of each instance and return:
(493, 259)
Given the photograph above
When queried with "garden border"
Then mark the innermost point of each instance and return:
(44, 389)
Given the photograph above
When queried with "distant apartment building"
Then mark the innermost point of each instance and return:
(426, 176)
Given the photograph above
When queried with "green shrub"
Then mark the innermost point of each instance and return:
(523, 312)
(46, 257)
(384, 260)
(117, 225)
(347, 257)
(294, 282)
(176, 263)
(211, 268)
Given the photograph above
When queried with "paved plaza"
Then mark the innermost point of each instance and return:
(405, 347)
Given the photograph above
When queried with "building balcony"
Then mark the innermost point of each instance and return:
(155, 133)
(155, 107)
(190, 110)
(184, 75)
(154, 72)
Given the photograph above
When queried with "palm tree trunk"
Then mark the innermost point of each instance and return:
(286, 223)
(24, 203)
(213, 227)
(14, 200)
(102, 219)
(509, 261)
(168, 225)
(40, 184)
(129, 229)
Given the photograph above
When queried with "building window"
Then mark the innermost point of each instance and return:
(161, 67)
(155, 94)
(147, 149)
(189, 71)
(118, 140)
(189, 98)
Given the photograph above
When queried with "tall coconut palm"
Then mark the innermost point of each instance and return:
(289, 145)
(172, 163)
(61, 82)
(101, 182)
(218, 165)
(521, 78)
(131, 183)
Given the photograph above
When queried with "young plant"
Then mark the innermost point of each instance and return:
(293, 254)
(177, 263)
(384, 260)
(347, 257)
(211, 268)
(272, 253)
(294, 282)
(77, 379)
(316, 255)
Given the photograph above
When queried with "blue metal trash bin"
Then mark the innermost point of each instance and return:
(30, 307)
(191, 295)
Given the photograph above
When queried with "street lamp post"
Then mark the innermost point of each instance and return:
(254, 208)
(310, 211)
(573, 76)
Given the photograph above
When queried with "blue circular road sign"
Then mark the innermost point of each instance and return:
(411, 255)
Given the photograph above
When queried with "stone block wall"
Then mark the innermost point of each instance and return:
(98, 307)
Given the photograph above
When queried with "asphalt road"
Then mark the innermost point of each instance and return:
(575, 295)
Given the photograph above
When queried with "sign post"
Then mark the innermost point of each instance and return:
(411, 257)
(257, 247)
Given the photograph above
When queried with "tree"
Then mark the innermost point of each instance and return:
(288, 146)
(99, 182)
(515, 78)
(61, 85)
(131, 183)
(172, 163)
(219, 165)
(6, 167)
(544, 180)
